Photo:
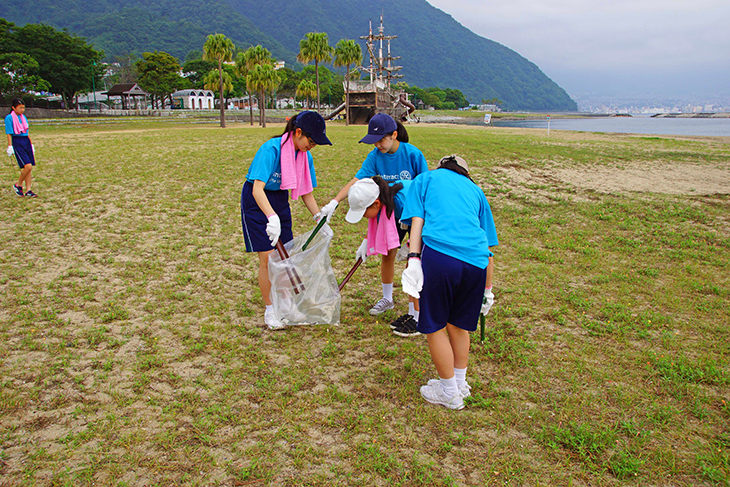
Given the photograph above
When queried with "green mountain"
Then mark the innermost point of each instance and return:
(435, 50)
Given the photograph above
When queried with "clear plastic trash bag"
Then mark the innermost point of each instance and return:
(304, 289)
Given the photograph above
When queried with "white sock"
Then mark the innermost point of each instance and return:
(412, 309)
(269, 308)
(460, 375)
(449, 386)
(388, 291)
(415, 315)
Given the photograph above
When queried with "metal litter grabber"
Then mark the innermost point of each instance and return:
(296, 281)
(349, 274)
(314, 232)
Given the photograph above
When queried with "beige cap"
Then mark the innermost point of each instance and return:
(457, 159)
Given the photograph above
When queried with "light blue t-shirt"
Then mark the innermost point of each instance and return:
(400, 199)
(9, 125)
(407, 163)
(266, 165)
(457, 219)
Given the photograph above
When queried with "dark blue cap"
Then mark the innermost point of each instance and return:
(379, 126)
(313, 124)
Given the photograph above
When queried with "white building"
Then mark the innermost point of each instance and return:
(193, 99)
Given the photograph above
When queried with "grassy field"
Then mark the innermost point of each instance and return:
(133, 350)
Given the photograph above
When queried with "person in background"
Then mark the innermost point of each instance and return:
(450, 269)
(20, 144)
(281, 164)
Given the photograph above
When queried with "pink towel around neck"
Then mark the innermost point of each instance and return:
(20, 123)
(382, 234)
(294, 169)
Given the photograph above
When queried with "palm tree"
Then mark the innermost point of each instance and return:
(263, 78)
(212, 82)
(306, 89)
(347, 52)
(315, 47)
(219, 48)
(241, 69)
(245, 62)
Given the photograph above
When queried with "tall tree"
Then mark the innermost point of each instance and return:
(247, 61)
(263, 78)
(211, 80)
(219, 48)
(65, 61)
(159, 75)
(315, 47)
(18, 75)
(347, 52)
(196, 70)
(306, 89)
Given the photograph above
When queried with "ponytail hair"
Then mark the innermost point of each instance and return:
(290, 127)
(402, 132)
(387, 194)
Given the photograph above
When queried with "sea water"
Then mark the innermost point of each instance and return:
(629, 125)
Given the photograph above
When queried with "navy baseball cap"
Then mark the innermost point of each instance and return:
(313, 124)
(379, 126)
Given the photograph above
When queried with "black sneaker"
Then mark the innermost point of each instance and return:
(400, 320)
(18, 190)
(407, 329)
(31, 194)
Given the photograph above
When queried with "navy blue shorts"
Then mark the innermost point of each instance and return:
(254, 221)
(23, 151)
(452, 293)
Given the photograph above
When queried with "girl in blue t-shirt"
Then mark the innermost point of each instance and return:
(281, 164)
(19, 143)
(393, 159)
(452, 275)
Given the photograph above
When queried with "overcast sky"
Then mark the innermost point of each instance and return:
(640, 46)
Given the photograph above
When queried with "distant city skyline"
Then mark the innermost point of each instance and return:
(676, 49)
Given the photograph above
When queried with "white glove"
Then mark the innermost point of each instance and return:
(362, 251)
(412, 278)
(328, 210)
(10, 151)
(32, 148)
(273, 228)
(487, 302)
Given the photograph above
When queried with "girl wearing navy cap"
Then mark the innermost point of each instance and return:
(393, 159)
(281, 164)
(450, 271)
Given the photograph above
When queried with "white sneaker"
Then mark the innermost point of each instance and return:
(436, 395)
(465, 388)
(272, 321)
(381, 307)
(402, 254)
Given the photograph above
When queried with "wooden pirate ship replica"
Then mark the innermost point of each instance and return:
(378, 94)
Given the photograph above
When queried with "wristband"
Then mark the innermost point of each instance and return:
(416, 255)
(269, 216)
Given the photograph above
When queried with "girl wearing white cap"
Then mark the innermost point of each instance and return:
(393, 159)
(382, 204)
(450, 271)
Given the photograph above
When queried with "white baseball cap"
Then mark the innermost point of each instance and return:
(361, 195)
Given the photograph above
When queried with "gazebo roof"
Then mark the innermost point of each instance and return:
(128, 89)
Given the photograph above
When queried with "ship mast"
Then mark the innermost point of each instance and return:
(381, 67)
